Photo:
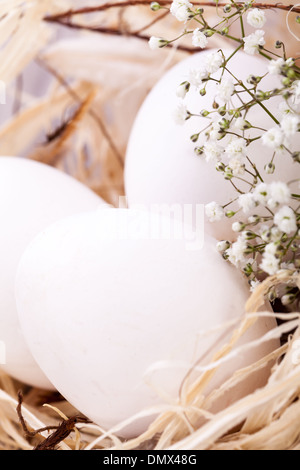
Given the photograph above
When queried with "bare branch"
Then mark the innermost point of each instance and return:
(128, 3)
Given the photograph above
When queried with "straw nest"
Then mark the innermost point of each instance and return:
(80, 123)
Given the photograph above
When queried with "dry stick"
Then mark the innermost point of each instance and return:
(95, 116)
(107, 6)
(61, 432)
(117, 32)
(155, 21)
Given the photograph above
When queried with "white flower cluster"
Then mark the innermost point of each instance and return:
(269, 195)
(181, 9)
(199, 39)
(275, 137)
(254, 41)
(284, 223)
(232, 156)
(257, 19)
(267, 235)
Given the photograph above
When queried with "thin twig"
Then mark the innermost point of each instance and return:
(117, 32)
(61, 432)
(107, 6)
(153, 22)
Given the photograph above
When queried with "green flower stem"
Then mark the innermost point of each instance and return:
(250, 173)
(243, 180)
(185, 33)
(236, 188)
(233, 54)
(271, 52)
(273, 158)
(253, 139)
(253, 97)
(231, 202)
(255, 169)
(291, 241)
(242, 25)
(230, 37)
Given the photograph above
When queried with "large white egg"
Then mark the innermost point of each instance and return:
(161, 166)
(102, 298)
(32, 196)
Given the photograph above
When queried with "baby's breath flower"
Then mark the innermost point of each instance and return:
(213, 62)
(247, 202)
(254, 219)
(254, 285)
(276, 234)
(254, 41)
(236, 148)
(295, 89)
(157, 43)
(214, 135)
(196, 77)
(223, 246)
(270, 168)
(226, 89)
(242, 124)
(238, 226)
(181, 114)
(212, 151)
(270, 264)
(199, 39)
(271, 249)
(268, 240)
(290, 125)
(261, 193)
(284, 108)
(181, 9)
(275, 66)
(236, 166)
(249, 235)
(280, 192)
(236, 253)
(265, 234)
(290, 62)
(155, 6)
(285, 220)
(256, 18)
(182, 90)
(214, 212)
(273, 138)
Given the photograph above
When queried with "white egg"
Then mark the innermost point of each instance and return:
(32, 196)
(104, 296)
(161, 166)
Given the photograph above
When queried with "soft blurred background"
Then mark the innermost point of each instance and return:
(73, 93)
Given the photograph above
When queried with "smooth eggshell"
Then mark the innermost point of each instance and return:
(32, 196)
(100, 303)
(161, 166)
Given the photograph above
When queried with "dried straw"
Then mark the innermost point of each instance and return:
(81, 125)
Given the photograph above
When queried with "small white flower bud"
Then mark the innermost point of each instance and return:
(223, 246)
(183, 89)
(238, 226)
(157, 43)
